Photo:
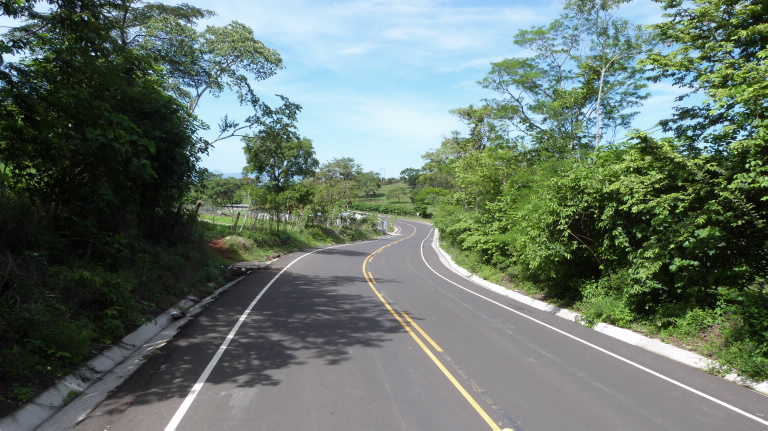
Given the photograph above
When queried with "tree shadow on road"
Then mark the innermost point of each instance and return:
(301, 318)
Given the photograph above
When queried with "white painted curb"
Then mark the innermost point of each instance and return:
(103, 373)
(656, 346)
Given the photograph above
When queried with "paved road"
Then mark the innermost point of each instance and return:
(379, 336)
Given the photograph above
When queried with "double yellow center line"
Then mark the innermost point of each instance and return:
(410, 326)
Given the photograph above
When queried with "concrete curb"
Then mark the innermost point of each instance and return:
(102, 374)
(625, 335)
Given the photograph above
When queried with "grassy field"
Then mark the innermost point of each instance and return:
(382, 196)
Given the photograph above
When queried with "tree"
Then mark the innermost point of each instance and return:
(719, 50)
(199, 63)
(344, 168)
(279, 158)
(397, 191)
(480, 176)
(88, 135)
(410, 176)
(483, 130)
(223, 191)
(578, 84)
(332, 196)
(426, 197)
(336, 183)
(368, 183)
(614, 46)
(192, 63)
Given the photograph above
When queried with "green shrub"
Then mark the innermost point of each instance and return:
(745, 329)
(71, 396)
(603, 302)
(21, 394)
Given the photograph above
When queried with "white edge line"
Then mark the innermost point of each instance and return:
(587, 343)
(212, 364)
(650, 344)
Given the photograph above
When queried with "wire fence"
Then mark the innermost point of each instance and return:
(242, 217)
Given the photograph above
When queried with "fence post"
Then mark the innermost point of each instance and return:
(234, 226)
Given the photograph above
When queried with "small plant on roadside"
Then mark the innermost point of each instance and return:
(21, 394)
(71, 395)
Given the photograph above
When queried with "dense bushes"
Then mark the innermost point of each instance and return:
(639, 233)
(670, 235)
(95, 160)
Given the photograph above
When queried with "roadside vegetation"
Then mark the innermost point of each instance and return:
(394, 198)
(106, 218)
(546, 192)
(100, 188)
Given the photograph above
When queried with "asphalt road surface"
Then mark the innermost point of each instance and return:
(379, 335)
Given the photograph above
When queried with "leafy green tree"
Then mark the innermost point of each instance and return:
(96, 158)
(331, 196)
(344, 168)
(481, 176)
(438, 169)
(139, 20)
(410, 176)
(197, 63)
(578, 84)
(483, 130)
(614, 46)
(88, 134)
(397, 191)
(222, 192)
(427, 197)
(368, 183)
(281, 206)
(719, 50)
(280, 159)
(336, 183)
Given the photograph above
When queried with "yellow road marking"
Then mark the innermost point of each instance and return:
(467, 396)
(421, 331)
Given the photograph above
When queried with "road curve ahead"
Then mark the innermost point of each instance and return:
(379, 335)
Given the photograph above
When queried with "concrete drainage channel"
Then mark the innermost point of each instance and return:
(74, 396)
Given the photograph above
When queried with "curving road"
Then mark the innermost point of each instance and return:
(379, 335)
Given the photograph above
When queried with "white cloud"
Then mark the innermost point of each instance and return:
(357, 49)
(397, 117)
(377, 78)
(413, 31)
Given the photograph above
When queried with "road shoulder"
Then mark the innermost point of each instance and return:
(651, 344)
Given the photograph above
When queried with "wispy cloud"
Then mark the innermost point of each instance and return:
(412, 30)
(357, 49)
(377, 78)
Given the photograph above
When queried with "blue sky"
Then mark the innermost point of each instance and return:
(376, 78)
